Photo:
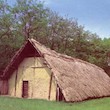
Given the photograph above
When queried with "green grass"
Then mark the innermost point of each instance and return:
(7, 103)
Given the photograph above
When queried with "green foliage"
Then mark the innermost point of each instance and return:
(26, 19)
(34, 104)
(30, 19)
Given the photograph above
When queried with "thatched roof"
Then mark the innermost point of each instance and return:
(78, 80)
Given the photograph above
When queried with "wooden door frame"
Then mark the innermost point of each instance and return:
(23, 95)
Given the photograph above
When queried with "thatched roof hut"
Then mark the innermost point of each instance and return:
(77, 79)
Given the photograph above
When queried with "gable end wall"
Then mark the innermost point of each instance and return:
(37, 74)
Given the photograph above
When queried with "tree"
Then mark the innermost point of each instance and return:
(30, 19)
(26, 19)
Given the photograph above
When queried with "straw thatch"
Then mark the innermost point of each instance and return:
(78, 80)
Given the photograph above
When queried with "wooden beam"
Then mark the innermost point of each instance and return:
(50, 85)
(39, 67)
(16, 80)
(57, 93)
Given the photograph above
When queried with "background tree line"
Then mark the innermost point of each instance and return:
(31, 19)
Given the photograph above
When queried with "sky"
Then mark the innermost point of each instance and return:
(94, 15)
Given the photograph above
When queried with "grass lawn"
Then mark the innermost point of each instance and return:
(7, 103)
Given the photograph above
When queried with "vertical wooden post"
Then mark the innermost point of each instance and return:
(16, 81)
(22, 82)
(50, 85)
(33, 82)
(57, 93)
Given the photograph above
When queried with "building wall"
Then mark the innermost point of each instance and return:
(3, 87)
(37, 74)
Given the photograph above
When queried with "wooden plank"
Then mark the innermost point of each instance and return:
(16, 80)
(50, 85)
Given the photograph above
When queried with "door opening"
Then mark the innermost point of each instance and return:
(59, 94)
(25, 89)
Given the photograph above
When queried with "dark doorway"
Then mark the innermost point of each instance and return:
(25, 89)
(59, 94)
